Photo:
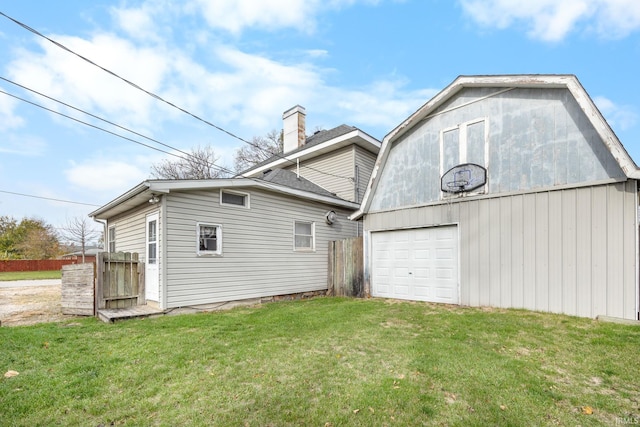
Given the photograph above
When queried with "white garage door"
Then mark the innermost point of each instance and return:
(418, 264)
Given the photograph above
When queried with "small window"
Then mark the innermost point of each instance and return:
(112, 239)
(234, 199)
(209, 239)
(304, 236)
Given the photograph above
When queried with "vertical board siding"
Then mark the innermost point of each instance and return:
(258, 257)
(570, 251)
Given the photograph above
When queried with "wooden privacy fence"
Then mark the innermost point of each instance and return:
(34, 264)
(346, 268)
(119, 280)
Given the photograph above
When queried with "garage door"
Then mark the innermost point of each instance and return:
(418, 264)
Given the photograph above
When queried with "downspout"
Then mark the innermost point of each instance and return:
(163, 255)
(104, 231)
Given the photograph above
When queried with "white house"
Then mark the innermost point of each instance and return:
(261, 235)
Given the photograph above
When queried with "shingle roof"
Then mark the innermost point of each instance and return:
(290, 179)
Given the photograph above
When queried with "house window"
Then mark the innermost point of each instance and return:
(465, 143)
(112, 239)
(209, 239)
(234, 198)
(304, 233)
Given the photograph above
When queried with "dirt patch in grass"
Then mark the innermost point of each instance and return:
(30, 305)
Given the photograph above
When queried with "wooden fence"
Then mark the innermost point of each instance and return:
(346, 269)
(119, 280)
(78, 289)
(34, 264)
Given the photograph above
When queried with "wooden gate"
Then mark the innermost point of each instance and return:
(346, 268)
(119, 280)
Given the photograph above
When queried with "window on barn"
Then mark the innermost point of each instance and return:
(234, 198)
(209, 239)
(112, 239)
(465, 143)
(304, 236)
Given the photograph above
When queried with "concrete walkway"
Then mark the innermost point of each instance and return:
(27, 283)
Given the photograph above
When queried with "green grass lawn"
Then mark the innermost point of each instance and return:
(30, 275)
(324, 362)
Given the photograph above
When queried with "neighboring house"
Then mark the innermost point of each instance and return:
(90, 254)
(340, 160)
(554, 227)
(263, 235)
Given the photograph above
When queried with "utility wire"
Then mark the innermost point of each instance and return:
(262, 181)
(155, 96)
(47, 198)
(208, 164)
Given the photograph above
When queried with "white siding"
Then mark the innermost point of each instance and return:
(333, 172)
(569, 251)
(257, 258)
(365, 161)
(130, 230)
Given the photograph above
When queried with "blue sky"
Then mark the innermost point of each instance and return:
(240, 63)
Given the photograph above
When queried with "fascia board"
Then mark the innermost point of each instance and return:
(135, 191)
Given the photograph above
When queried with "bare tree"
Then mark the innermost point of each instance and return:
(200, 164)
(262, 148)
(79, 232)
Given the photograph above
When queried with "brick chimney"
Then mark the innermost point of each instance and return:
(293, 128)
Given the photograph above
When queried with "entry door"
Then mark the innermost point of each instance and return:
(417, 264)
(152, 273)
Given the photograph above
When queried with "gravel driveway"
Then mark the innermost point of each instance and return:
(27, 302)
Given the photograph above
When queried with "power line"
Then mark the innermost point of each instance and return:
(47, 198)
(208, 164)
(120, 136)
(155, 96)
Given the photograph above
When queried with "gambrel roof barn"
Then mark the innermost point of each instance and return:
(551, 224)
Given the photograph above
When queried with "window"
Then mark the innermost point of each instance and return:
(152, 241)
(304, 236)
(112, 239)
(465, 143)
(209, 239)
(234, 198)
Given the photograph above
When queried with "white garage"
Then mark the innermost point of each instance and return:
(416, 264)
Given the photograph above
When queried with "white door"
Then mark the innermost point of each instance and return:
(417, 264)
(152, 282)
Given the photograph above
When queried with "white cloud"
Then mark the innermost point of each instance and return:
(104, 175)
(66, 77)
(619, 117)
(8, 119)
(553, 20)
(236, 15)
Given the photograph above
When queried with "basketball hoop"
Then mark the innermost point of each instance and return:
(462, 178)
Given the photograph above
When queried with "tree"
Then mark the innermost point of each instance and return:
(262, 148)
(32, 238)
(8, 236)
(199, 164)
(79, 232)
